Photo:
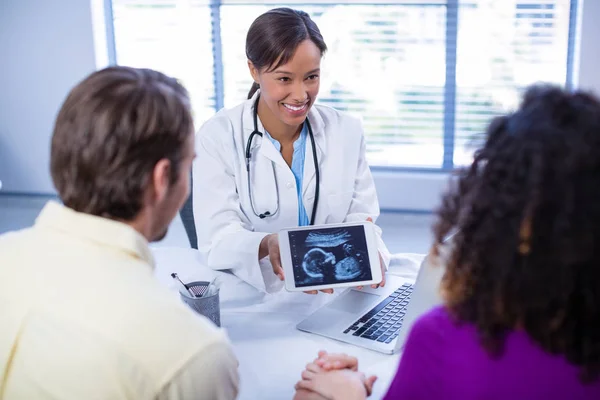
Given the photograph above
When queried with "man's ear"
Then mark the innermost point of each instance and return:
(161, 179)
(253, 71)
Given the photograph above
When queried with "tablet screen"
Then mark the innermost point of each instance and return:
(329, 255)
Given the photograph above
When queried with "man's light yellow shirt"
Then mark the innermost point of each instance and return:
(83, 317)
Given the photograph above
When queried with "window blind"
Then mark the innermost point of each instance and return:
(425, 77)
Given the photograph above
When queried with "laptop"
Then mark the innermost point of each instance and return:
(378, 319)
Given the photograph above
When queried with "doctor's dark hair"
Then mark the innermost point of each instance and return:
(275, 35)
(527, 212)
(109, 134)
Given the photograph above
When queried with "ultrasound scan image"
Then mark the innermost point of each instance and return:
(329, 255)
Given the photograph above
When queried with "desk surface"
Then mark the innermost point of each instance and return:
(271, 351)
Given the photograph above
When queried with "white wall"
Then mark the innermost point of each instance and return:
(46, 47)
(588, 74)
(409, 191)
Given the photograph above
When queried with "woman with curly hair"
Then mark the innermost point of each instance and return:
(521, 318)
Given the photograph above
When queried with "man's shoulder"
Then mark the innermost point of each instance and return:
(13, 241)
(174, 333)
(166, 322)
(152, 328)
(15, 235)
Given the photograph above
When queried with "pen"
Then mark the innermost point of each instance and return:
(174, 276)
(210, 289)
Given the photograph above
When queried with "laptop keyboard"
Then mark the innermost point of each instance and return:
(383, 322)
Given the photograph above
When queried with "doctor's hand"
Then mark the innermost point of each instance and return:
(382, 283)
(382, 264)
(269, 246)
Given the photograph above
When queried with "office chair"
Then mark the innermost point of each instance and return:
(187, 217)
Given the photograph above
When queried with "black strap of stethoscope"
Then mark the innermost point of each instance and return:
(317, 177)
(254, 132)
(314, 151)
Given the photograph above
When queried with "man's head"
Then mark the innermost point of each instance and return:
(123, 146)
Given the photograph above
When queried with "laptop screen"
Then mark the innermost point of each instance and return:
(326, 256)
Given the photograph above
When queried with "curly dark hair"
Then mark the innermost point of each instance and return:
(526, 254)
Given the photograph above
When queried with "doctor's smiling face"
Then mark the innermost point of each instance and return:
(284, 49)
(290, 90)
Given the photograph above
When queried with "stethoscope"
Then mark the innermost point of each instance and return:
(248, 156)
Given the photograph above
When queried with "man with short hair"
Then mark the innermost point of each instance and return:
(81, 314)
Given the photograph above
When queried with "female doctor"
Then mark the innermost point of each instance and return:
(278, 160)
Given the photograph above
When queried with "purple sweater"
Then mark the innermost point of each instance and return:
(443, 360)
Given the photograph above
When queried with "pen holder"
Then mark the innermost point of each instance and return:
(206, 305)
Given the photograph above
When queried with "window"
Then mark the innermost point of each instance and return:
(425, 77)
(173, 37)
(504, 46)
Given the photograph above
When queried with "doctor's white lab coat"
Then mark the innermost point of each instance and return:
(229, 233)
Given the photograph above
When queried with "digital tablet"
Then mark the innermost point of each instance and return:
(329, 256)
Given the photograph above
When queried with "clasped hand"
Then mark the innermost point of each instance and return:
(333, 377)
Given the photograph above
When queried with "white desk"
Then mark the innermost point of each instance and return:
(271, 351)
